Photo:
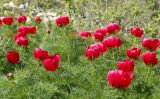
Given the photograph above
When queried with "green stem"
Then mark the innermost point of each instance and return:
(113, 54)
(134, 41)
(147, 74)
(92, 74)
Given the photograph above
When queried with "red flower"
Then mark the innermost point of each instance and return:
(99, 34)
(101, 47)
(98, 46)
(40, 53)
(92, 52)
(27, 29)
(12, 57)
(51, 63)
(22, 41)
(112, 41)
(101, 30)
(7, 20)
(19, 34)
(22, 19)
(126, 65)
(136, 31)
(37, 19)
(85, 34)
(0, 22)
(62, 21)
(151, 44)
(112, 28)
(120, 79)
(133, 53)
(149, 58)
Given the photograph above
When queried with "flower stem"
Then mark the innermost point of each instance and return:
(147, 74)
(113, 54)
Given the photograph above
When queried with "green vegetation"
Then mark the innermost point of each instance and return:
(78, 77)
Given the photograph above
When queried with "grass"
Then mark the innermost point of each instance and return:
(77, 77)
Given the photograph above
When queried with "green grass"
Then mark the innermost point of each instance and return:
(77, 77)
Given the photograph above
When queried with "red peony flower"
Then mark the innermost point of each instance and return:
(133, 53)
(99, 34)
(112, 28)
(22, 19)
(119, 78)
(126, 65)
(7, 20)
(22, 41)
(149, 58)
(37, 19)
(12, 57)
(85, 34)
(92, 52)
(101, 30)
(51, 63)
(98, 46)
(19, 34)
(151, 44)
(27, 29)
(62, 21)
(112, 42)
(40, 53)
(136, 31)
(0, 22)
